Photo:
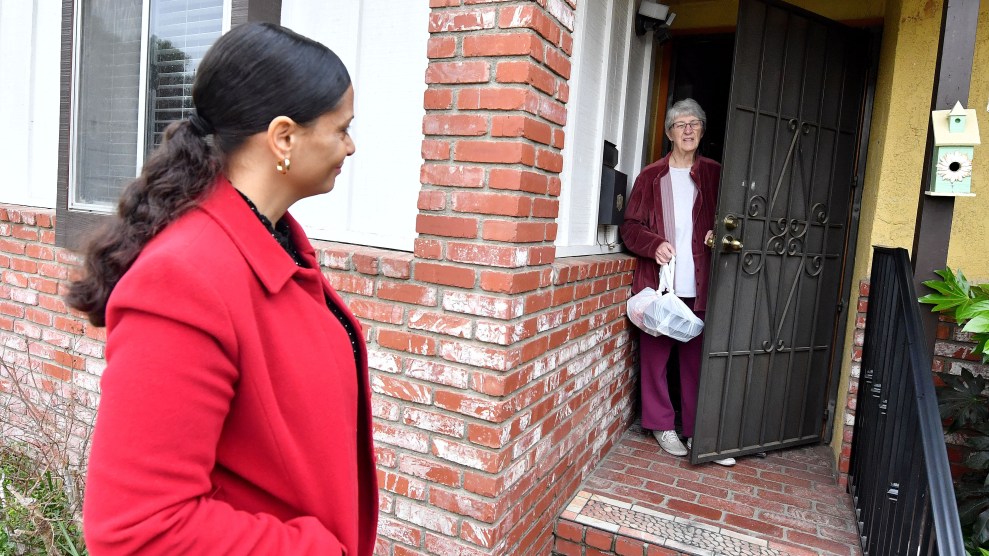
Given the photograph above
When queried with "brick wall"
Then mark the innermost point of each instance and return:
(481, 437)
(501, 375)
(486, 423)
(50, 361)
(848, 414)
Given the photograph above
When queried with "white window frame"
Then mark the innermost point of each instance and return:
(628, 127)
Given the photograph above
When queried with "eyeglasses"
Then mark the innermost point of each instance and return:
(694, 124)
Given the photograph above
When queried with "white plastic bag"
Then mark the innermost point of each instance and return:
(637, 306)
(665, 313)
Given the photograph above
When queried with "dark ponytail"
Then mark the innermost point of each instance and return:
(252, 74)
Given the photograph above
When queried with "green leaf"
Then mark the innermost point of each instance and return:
(978, 324)
(70, 545)
(969, 510)
(942, 302)
(981, 530)
(981, 291)
(961, 401)
(972, 310)
(978, 442)
(943, 288)
(977, 460)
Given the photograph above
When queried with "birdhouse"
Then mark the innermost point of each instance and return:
(956, 132)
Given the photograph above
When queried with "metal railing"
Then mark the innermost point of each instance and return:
(899, 475)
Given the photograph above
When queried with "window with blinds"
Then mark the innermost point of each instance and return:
(137, 59)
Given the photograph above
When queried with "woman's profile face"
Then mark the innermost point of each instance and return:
(686, 132)
(323, 147)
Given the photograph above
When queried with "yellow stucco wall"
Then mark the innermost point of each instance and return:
(899, 133)
(901, 112)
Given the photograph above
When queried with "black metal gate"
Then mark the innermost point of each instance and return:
(899, 476)
(783, 221)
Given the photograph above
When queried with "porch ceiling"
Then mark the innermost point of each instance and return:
(719, 14)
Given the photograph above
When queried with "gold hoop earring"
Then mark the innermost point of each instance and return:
(283, 166)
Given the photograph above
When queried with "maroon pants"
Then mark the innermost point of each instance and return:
(654, 353)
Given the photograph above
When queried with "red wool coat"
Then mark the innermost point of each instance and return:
(642, 231)
(233, 419)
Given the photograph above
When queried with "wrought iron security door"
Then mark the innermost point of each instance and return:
(781, 230)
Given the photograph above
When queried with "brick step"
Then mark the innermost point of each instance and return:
(641, 501)
(595, 525)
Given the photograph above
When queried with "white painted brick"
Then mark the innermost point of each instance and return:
(385, 362)
(425, 516)
(438, 373)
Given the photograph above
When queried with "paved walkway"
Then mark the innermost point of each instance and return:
(641, 501)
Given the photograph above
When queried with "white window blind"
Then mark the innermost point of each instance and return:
(610, 84)
(181, 31)
(136, 61)
(383, 44)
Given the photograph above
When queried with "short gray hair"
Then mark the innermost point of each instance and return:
(685, 107)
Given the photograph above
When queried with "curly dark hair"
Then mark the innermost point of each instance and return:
(251, 75)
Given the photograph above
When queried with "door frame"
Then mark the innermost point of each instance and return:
(840, 353)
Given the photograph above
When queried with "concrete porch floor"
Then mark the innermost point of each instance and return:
(641, 501)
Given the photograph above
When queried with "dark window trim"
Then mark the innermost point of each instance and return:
(72, 227)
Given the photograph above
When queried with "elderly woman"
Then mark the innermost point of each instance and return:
(671, 213)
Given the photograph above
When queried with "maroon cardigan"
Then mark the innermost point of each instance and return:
(642, 232)
(233, 418)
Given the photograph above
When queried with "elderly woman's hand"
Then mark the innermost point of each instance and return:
(664, 253)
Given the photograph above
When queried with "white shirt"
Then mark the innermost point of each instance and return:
(684, 192)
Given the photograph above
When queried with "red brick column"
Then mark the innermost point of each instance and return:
(501, 375)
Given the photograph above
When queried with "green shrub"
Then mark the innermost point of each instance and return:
(963, 403)
(37, 516)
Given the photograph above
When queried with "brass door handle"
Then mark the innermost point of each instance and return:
(729, 243)
(731, 222)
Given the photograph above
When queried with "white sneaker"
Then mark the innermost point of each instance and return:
(669, 441)
(727, 462)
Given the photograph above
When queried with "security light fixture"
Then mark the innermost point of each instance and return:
(655, 17)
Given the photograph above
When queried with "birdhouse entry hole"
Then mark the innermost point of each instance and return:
(955, 166)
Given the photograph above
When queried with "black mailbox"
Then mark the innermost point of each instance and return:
(611, 210)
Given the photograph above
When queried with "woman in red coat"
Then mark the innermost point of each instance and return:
(671, 213)
(235, 412)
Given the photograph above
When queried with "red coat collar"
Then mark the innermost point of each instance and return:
(270, 263)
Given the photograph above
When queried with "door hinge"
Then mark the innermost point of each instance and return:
(855, 181)
(841, 306)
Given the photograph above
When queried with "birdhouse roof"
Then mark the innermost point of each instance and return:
(942, 135)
